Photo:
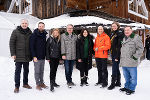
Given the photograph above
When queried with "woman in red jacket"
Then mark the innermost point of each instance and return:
(101, 46)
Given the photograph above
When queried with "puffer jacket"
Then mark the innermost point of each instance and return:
(19, 44)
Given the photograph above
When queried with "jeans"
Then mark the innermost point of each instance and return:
(39, 71)
(18, 71)
(115, 68)
(130, 75)
(102, 70)
(68, 69)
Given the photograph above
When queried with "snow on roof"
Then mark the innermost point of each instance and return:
(15, 19)
(64, 20)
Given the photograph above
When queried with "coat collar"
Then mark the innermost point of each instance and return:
(103, 34)
(130, 38)
(66, 33)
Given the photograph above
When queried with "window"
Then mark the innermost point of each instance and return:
(138, 8)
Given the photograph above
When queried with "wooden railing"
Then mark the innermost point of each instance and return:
(20, 6)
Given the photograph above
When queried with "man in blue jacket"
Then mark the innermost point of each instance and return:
(38, 52)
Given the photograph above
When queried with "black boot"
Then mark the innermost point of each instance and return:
(56, 85)
(129, 92)
(113, 83)
(52, 86)
(118, 83)
(82, 81)
(85, 80)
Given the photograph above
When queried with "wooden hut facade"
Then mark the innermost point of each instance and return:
(120, 8)
(135, 10)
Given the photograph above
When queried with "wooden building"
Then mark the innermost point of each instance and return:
(120, 8)
(131, 10)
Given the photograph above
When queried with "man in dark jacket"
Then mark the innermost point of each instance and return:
(19, 49)
(38, 51)
(147, 46)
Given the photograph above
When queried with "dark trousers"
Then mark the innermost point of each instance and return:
(115, 68)
(102, 70)
(54, 62)
(148, 53)
(84, 68)
(18, 71)
(68, 69)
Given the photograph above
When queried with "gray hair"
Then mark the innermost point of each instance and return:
(24, 20)
(69, 25)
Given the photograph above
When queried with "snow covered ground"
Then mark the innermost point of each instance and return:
(76, 93)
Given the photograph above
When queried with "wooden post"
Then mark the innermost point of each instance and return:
(87, 4)
(62, 6)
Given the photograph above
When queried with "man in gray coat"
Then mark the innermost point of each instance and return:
(68, 51)
(132, 49)
(19, 49)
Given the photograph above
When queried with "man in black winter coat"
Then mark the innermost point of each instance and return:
(147, 46)
(19, 49)
(38, 52)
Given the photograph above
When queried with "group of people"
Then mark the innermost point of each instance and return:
(125, 49)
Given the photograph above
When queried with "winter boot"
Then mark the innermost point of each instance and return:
(82, 81)
(113, 83)
(118, 81)
(123, 89)
(56, 85)
(129, 92)
(44, 86)
(27, 86)
(16, 90)
(98, 83)
(85, 80)
(38, 87)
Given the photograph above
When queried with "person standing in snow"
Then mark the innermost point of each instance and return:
(84, 55)
(53, 56)
(132, 49)
(116, 38)
(38, 52)
(20, 52)
(68, 51)
(101, 46)
(147, 46)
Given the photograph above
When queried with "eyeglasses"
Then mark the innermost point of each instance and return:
(70, 28)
